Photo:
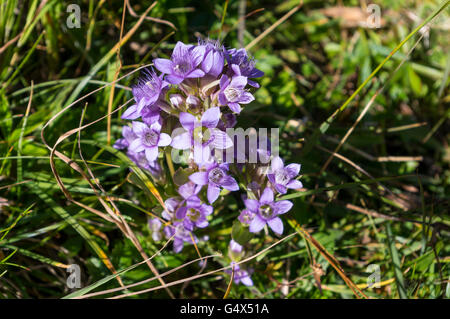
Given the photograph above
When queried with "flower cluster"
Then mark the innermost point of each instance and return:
(188, 107)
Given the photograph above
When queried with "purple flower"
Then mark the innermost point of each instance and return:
(194, 215)
(241, 64)
(216, 178)
(189, 193)
(203, 135)
(182, 235)
(283, 177)
(171, 206)
(191, 210)
(149, 138)
(214, 59)
(246, 216)
(232, 92)
(155, 228)
(266, 212)
(184, 63)
(128, 137)
(240, 275)
(146, 93)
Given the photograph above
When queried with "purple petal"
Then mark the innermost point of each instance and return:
(266, 196)
(236, 69)
(182, 141)
(139, 128)
(173, 79)
(202, 223)
(224, 81)
(222, 99)
(213, 193)
(235, 107)
(197, 73)
(239, 82)
(205, 210)
(220, 139)
(276, 225)
(252, 205)
(208, 62)
(164, 139)
(164, 65)
(271, 178)
(136, 146)
(131, 113)
(181, 212)
(188, 121)
(277, 163)
(188, 189)
(178, 245)
(211, 117)
(193, 201)
(199, 178)
(246, 97)
(255, 73)
(293, 170)
(247, 281)
(197, 55)
(294, 184)
(230, 184)
(151, 153)
(280, 188)
(281, 207)
(254, 84)
(257, 224)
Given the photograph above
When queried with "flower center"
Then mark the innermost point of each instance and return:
(151, 138)
(231, 94)
(151, 85)
(193, 214)
(216, 175)
(281, 177)
(266, 211)
(182, 67)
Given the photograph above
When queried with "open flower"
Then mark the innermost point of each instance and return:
(194, 215)
(241, 64)
(128, 137)
(149, 138)
(191, 210)
(233, 93)
(240, 275)
(184, 63)
(283, 177)
(246, 216)
(146, 93)
(171, 206)
(182, 235)
(266, 212)
(202, 135)
(215, 177)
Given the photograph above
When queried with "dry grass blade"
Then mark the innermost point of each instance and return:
(329, 257)
(274, 26)
(177, 282)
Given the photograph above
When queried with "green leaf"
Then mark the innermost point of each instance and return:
(240, 233)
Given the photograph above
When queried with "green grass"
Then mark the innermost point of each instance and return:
(383, 199)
